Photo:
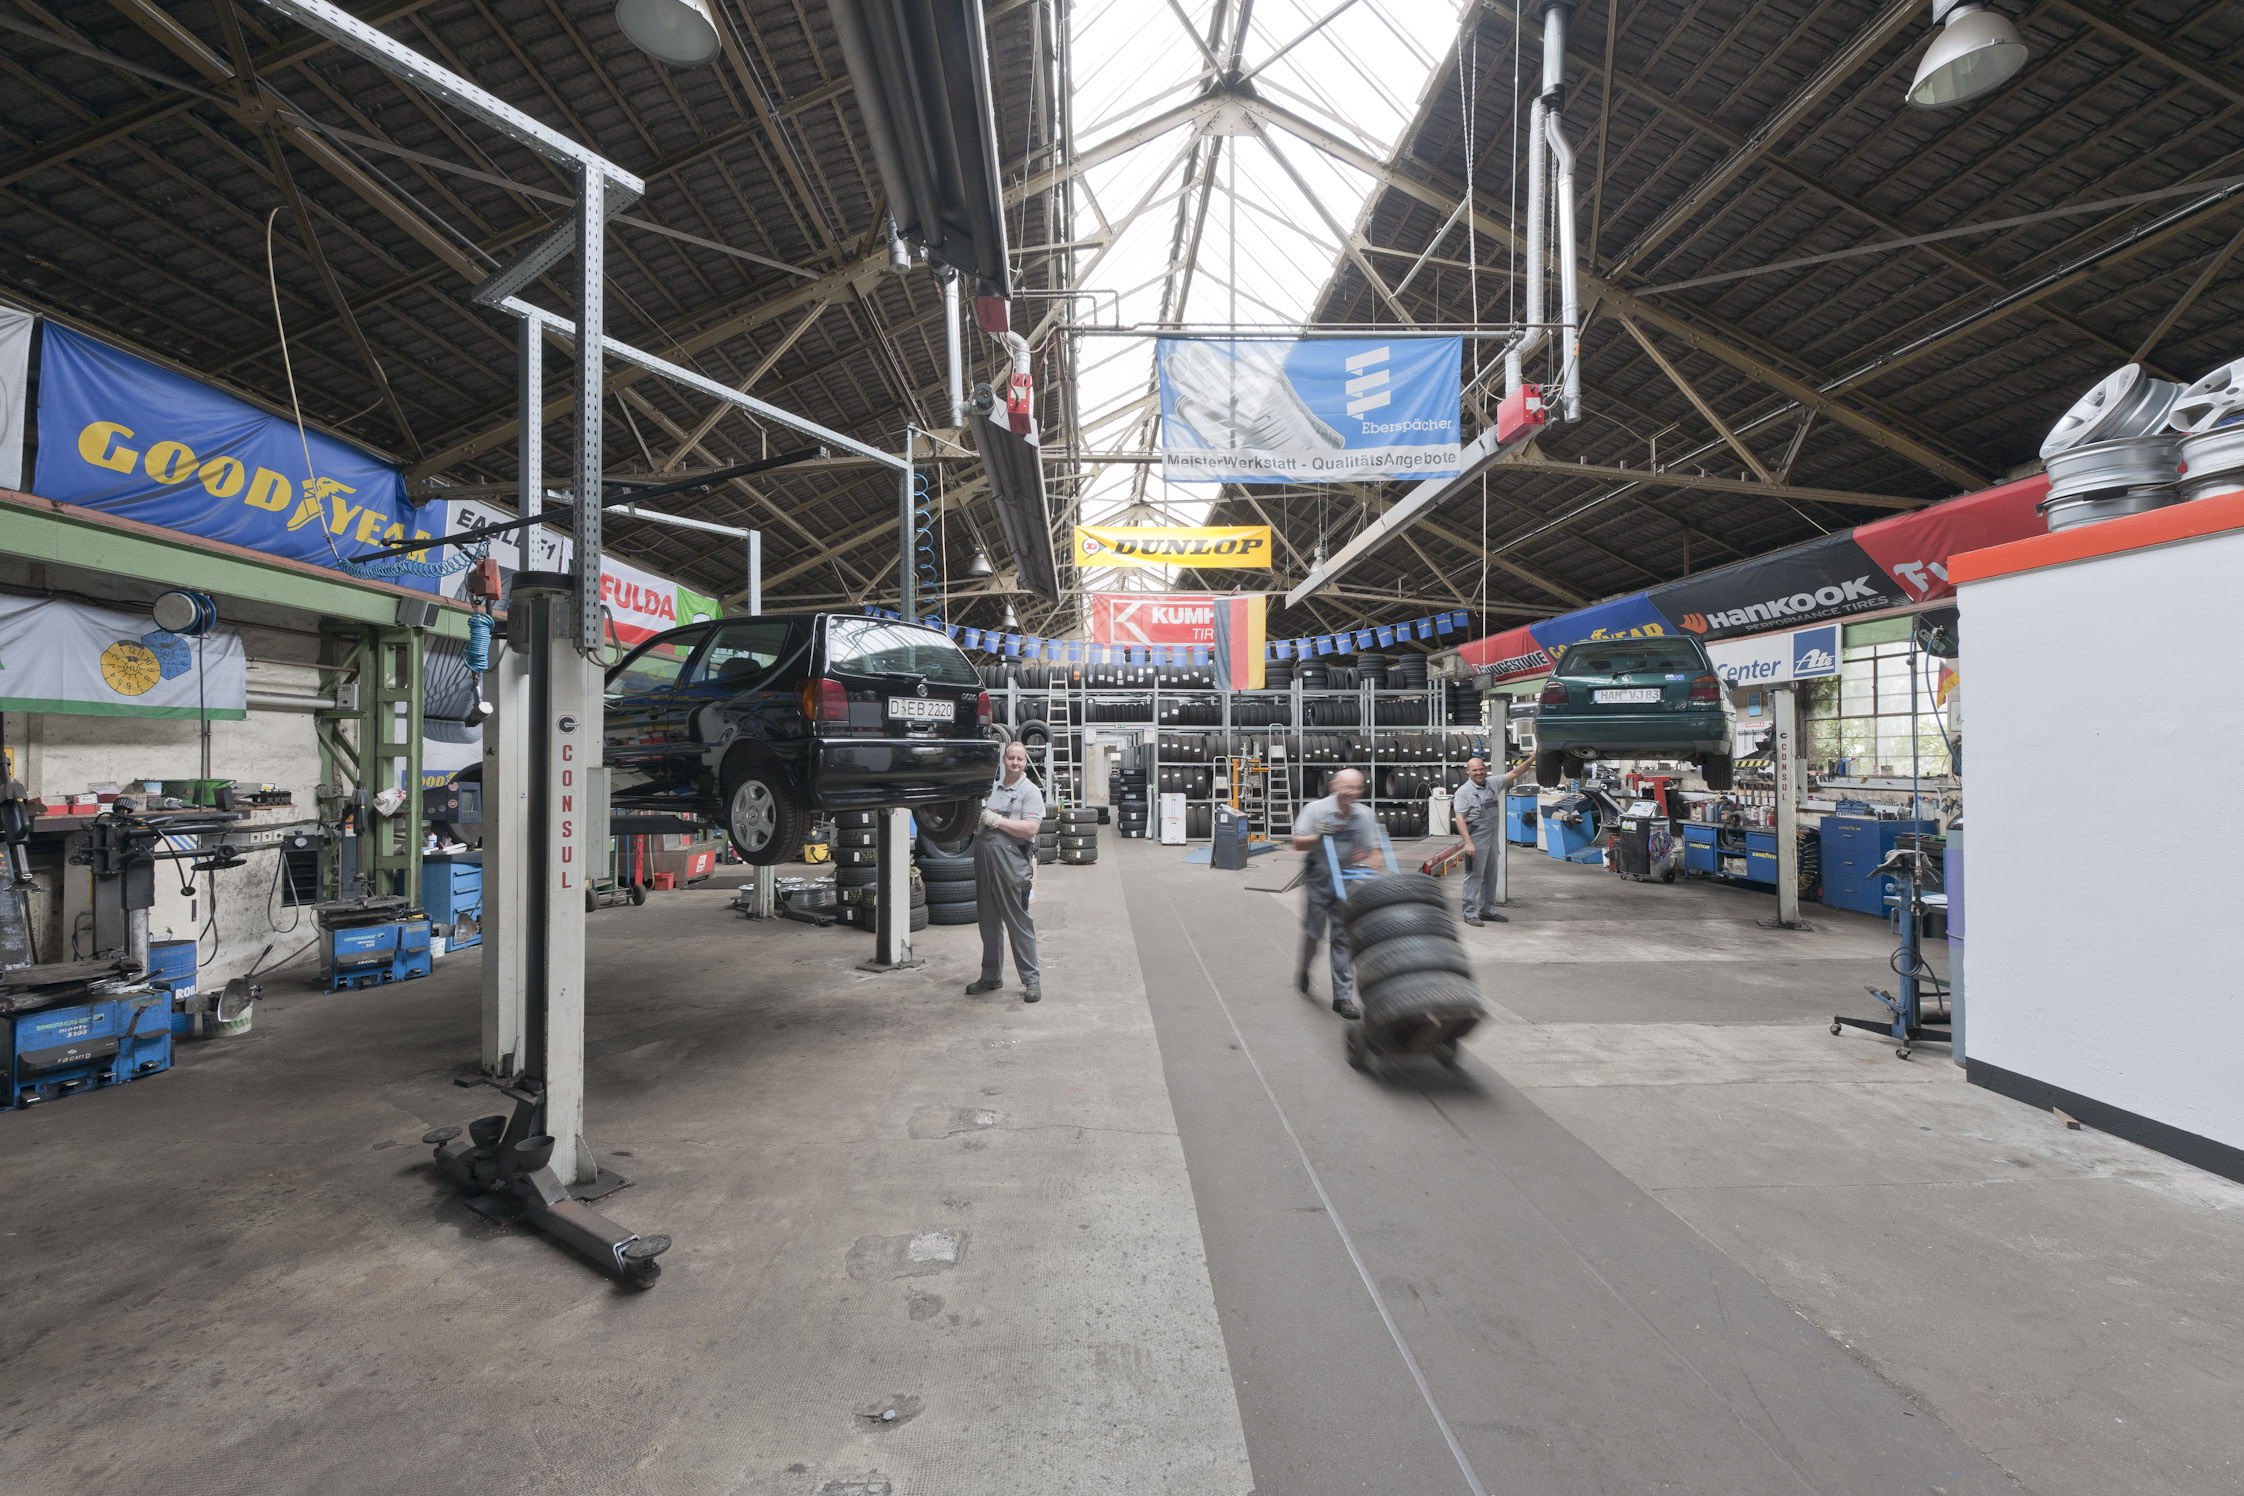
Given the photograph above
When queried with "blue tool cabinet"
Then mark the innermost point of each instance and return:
(1852, 846)
(1519, 819)
(369, 955)
(452, 893)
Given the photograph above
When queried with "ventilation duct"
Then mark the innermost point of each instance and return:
(922, 75)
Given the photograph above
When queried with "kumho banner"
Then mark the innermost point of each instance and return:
(1163, 618)
(1308, 410)
(119, 434)
(1241, 546)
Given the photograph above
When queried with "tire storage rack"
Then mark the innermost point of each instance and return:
(1378, 714)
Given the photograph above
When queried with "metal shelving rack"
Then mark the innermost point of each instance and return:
(1067, 708)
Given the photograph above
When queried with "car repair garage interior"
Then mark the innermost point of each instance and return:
(940, 747)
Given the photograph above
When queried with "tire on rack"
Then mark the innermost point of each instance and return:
(1034, 734)
(854, 818)
(857, 836)
(1074, 843)
(954, 914)
(765, 821)
(949, 893)
(1079, 856)
(1411, 953)
(1396, 921)
(856, 877)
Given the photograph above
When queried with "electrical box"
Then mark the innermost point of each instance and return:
(1519, 413)
(1172, 820)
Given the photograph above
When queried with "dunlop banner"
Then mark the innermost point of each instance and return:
(119, 434)
(1238, 546)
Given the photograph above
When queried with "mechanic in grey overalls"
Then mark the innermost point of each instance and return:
(1342, 816)
(1004, 874)
(1479, 808)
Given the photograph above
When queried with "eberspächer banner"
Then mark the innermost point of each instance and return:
(1237, 546)
(1308, 410)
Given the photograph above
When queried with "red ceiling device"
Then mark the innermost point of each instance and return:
(1519, 413)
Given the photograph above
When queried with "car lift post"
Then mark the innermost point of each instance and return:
(1788, 775)
(892, 922)
(1501, 886)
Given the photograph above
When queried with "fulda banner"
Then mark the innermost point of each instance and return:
(1244, 547)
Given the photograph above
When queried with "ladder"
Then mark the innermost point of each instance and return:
(1278, 808)
(1063, 771)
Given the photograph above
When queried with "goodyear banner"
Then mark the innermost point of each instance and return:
(58, 656)
(1308, 410)
(1237, 546)
(119, 434)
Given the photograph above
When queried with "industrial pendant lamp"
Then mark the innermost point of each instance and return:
(1976, 51)
(1012, 621)
(980, 565)
(682, 33)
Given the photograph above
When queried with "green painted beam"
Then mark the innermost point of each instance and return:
(139, 551)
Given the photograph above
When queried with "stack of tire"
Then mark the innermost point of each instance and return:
(1413, 977)
(856, 856)
(1371, 670)
(1128, 788)
(949, 879)
(1079, 835)
(1277, 675)
(1048, 839)
(863, 910)
(1408, 673)
(1313, 674)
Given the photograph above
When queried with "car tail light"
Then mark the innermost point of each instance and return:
(1706, 688)
(825, 701)
(982, 710)
(1554, 694)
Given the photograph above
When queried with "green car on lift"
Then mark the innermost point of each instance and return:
(1652, 697)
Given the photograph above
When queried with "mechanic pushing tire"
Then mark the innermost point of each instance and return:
(1413, 976)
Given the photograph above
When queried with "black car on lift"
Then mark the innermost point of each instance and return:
(762, 723)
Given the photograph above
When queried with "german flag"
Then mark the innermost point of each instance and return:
(1238, 642)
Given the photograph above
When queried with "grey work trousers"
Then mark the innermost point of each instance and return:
(1002, 882)
(1320, 920)
(1480, 877)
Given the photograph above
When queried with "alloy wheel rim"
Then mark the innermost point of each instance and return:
(754, 815)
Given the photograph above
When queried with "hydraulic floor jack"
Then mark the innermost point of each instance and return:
(1909, 1022)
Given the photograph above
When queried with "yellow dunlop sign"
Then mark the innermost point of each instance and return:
(1243, 546)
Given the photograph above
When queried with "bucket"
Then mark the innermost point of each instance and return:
(436, 945)
(238, 1024)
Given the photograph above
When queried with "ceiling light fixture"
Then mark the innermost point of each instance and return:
(1012, 620)
(980, 565)
(1977, 51)
(682, 33)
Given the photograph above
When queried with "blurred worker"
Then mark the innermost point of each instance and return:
(1005, 873)
(1342, 816)
(1480, 820)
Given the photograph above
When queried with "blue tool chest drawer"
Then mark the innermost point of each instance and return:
(1698, 850)
(1853, 846)
(452, 893)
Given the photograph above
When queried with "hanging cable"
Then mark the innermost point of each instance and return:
(1511, 278)
(1468, 91)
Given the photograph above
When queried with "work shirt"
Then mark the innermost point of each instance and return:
(1359, 832)
(1480, 806)
(1017, 802)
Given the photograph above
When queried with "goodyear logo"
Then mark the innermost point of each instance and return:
(315, 500)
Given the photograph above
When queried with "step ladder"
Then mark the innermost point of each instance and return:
(1063, 768)
(1278, 788)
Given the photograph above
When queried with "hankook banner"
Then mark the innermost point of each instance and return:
(1308, 410)
(1245, 547)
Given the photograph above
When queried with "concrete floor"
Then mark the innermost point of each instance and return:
(1661, 1231)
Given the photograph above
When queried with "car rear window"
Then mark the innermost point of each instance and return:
(870, 646)
(1634, 657)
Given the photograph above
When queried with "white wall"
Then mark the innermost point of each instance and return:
(2106, 864)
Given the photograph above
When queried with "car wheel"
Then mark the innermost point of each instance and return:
(950, 825)
(765, 822)
(1549, 769)
(1718, 771)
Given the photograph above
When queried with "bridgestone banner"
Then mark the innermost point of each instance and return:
(1231, 546)
(1308, 410)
